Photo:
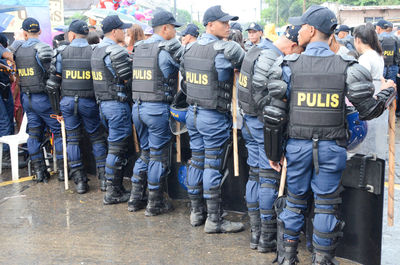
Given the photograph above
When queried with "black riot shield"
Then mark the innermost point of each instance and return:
(362, 210)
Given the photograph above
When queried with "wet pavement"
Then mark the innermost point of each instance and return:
(43, 224)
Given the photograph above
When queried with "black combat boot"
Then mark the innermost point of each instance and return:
(323, 258)
(80, 179)
(138, 199)
(197, 209)
(215, 223)
(255, 223)
(286, 253)
(115, 192)
(268, 236)
(40, 171)
(101, 171)
(60, 169)
(158, 202)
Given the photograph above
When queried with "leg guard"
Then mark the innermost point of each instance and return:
(286, 250)
(116, 162)
(327, 205)
(255, 223)
(157, 176)
(221, 154)
(34, 142)
(215, 223)
(101, 175)
(99, 144)
(74, 152)
(60, 168)
(138, 198)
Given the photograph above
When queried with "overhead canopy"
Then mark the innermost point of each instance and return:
(9, 8)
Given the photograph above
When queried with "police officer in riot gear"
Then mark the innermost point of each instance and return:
(190, 34)
(32, 60)
(208, 71)
(111, 67)
(154, 84)
(390, 49)
(262, 185)
(344, 37)
(311, 111)
(71, 72)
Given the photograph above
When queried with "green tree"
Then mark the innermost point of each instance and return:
(183, 16)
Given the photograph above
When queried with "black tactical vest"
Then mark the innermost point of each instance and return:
(203, 87)
(32, 78)
(317, 98)
(104, 84)
(77, 72)
(148, 82)
(389, 50)
(245, 90)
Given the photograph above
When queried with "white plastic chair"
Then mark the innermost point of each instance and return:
(14, 141)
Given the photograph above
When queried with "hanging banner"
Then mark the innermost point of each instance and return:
(56, 13)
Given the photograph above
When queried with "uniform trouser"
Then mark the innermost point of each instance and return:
(38, 110)
(116, 117)
(151, 121)
(301, 176)
(259, 191)
(390, 72)
(209, 130)
(6, 117)
(87, 113)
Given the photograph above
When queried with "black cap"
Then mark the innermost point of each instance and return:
(114, 22)
(31, 25)
(3, 40)
(383, 24)
(79, 27)
(163, 17)
(292, 33)
(343, 28)
(254, 26)
(322, 18)
(191, 29)
(236, 26)
(215, 13)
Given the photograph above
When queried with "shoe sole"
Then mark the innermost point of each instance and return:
(253, 246)
(266, 250)
(112, 202)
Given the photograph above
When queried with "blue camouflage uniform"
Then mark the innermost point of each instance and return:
(38, 109)
(301, 175)
(87, 112)
(116, 116)
(209, 130)
(151, 121)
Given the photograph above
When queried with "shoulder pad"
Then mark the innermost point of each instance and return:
(61, 48)
(348, 58)
(233, 52)
(138, 43)
(44, 51)
(356, 73)
(291, 57)
(15, 46)
(170, 45)
(115, 48)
